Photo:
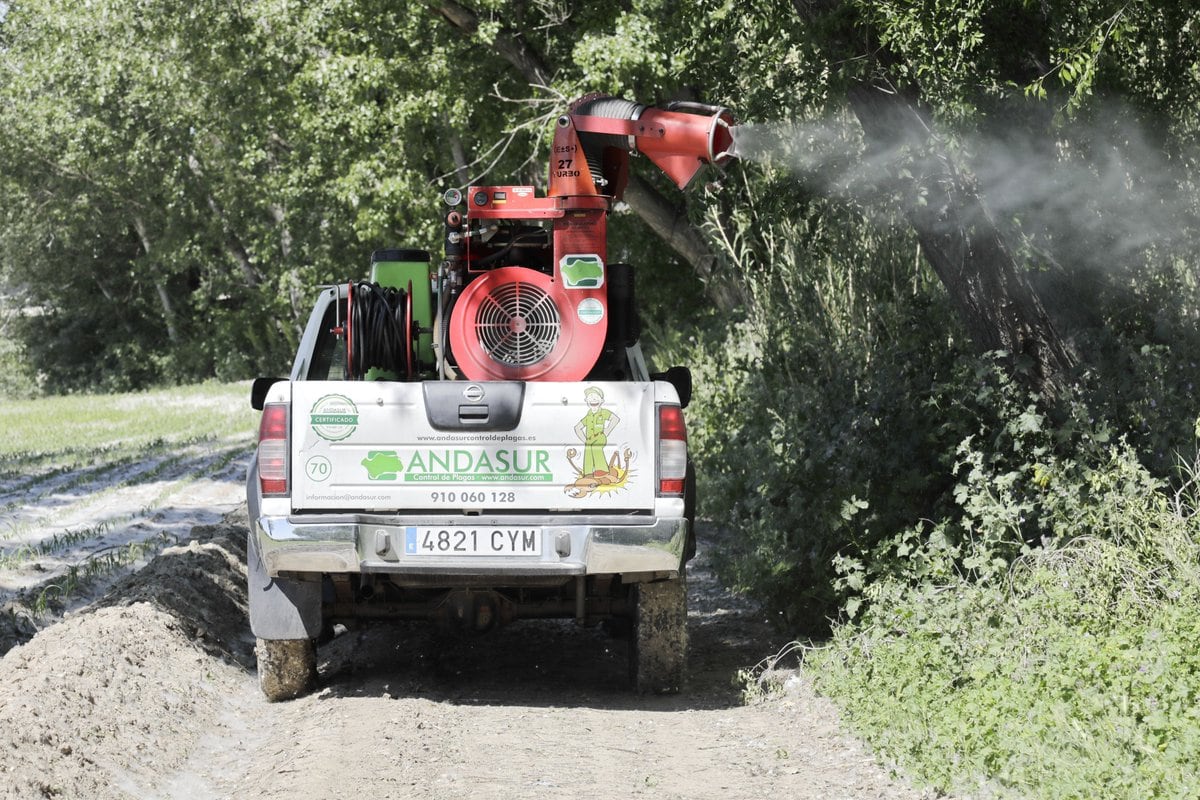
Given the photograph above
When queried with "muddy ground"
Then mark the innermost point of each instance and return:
(151, 693)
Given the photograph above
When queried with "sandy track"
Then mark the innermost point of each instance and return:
(151, 694)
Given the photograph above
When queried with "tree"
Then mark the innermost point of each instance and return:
(994, 301)
(238, 156)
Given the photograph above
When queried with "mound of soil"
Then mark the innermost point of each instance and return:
(114, 698)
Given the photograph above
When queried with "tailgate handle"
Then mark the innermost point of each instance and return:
(478, 406)
(473, 415)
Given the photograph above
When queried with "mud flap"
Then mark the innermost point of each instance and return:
(281, 608)
(689, 511)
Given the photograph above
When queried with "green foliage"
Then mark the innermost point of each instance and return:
(1071, 673)
(1011, 584)
(16, 375)
(842, 428)
(179, 178)
(67, 433)
(812, 419)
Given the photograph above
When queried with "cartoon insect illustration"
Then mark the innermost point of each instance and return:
(599, 471)
(611, 478)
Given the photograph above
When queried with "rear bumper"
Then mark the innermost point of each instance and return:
(569, 547)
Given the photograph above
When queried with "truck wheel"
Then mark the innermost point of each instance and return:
(658, 648)
(287, 668)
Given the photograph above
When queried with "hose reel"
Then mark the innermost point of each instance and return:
(380, 332)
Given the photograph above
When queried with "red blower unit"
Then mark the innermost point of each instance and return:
(516, 323)
(525, 289)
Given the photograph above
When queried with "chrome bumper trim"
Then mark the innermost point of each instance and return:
(570, 546)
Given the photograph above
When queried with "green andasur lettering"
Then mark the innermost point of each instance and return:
(463, 462)
(441, 462)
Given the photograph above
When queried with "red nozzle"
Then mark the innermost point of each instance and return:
(680, 142)
(678, 139)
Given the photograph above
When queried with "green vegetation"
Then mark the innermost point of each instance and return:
(96, 565)
(79, 457)
(942, 316)
(1070, 672)
(67, 433)
(1004, 556)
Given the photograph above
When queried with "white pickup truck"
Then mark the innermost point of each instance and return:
(483, 442)
(468, 503)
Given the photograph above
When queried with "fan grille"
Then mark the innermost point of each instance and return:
(517, 324)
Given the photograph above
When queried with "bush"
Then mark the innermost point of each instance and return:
(1014, 586)
(1072, 673)
(846, 433)
(17, 379)
(817, 422)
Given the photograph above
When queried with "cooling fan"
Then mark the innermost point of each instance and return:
(515, 323)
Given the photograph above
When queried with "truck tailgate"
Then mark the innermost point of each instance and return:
(457, 447)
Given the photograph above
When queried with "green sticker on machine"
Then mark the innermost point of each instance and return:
(582, 271)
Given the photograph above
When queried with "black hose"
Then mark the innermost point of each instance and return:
(594, 143)
(519, 237)
(378, 326)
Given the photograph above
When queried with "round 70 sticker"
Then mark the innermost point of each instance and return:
(318, 468)
(334, 417)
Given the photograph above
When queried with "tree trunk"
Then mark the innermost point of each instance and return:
(118, 305)
(285, 233)
(160, 287)
(997, 306)
(672, 226)
(462, 170)
(514, 49)
(233, 243)
(995, 303)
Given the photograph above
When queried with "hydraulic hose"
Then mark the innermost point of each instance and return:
(381, 329)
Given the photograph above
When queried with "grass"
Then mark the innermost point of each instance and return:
(69, 432)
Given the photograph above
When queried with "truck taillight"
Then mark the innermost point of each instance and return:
(672, 450)
(273, 449)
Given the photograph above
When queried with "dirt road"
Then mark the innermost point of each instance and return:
(151, 694)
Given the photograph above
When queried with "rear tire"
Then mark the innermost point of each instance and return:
(658, 647)
(287, 668)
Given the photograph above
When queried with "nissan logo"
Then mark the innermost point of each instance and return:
(473, 393)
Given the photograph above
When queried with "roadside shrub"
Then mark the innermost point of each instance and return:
(1072, 673)
(847, 435)
(815, 422)
(17, 378)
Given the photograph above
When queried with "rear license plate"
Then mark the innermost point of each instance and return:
(454, 541)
